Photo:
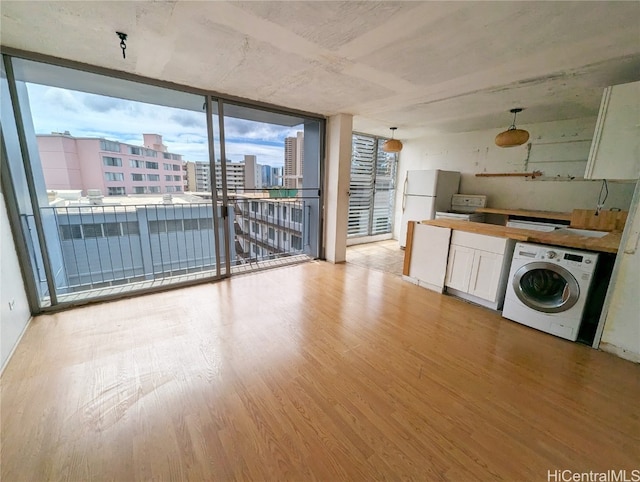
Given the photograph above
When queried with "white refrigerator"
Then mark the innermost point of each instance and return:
(424, 193)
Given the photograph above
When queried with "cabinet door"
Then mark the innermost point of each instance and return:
(615, 149)
(485, 275)
(429, 249)
(459, 267)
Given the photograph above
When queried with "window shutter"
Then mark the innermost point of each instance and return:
(372, 187)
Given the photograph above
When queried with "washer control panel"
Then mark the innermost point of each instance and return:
(570, 258)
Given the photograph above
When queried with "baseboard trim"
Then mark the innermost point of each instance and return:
(15, 346)
(620, 352)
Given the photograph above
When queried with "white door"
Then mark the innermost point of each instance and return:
(415, 208)
(485, 275)
(459, 267)
(615, 150)
(429, 250)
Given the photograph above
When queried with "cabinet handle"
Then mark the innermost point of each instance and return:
(404, 191)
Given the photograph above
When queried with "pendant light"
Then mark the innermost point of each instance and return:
(392, 145)
(512, 136)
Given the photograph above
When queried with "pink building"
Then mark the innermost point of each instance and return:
(112, 167)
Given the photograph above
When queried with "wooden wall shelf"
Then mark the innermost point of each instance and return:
(532, 174)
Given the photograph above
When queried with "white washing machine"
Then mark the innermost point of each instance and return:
(548, 288)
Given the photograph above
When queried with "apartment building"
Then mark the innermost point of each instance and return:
(113, 168)
(245, 174)
(198, 176)
(267, 175)
(294, 161)
(267, 226)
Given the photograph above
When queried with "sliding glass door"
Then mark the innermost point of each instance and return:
(272, 167)
(117, 186)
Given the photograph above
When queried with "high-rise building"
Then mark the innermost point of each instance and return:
(114, 168)
(241, 176)
(267, 176)
(235, 176)
(252, 173)
(276, 176)
(294, 161)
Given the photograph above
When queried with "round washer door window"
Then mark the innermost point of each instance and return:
(546, 287)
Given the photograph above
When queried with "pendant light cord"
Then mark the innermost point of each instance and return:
(513, 124)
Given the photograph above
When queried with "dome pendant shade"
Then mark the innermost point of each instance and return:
(392, 145)
(512, 136)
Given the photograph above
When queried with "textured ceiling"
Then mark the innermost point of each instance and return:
(421, 66)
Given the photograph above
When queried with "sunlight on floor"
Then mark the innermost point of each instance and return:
(381, 256)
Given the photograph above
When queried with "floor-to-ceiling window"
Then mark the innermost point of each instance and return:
(103, 159)
(371, 188)
(120, 186)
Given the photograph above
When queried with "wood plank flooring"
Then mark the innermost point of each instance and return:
(311, 372)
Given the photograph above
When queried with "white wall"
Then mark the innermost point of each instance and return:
(621, 333)
(12, 321)
(475, 152)
(338, 172)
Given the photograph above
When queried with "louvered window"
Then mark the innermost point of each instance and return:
(372, 187)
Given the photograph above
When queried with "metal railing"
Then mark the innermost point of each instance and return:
(266, 228)
(94, 247)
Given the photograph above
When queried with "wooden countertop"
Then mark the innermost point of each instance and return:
(529, 214)
(607, 244)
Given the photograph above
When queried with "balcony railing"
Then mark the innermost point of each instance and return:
(98, 247)
(267, 229)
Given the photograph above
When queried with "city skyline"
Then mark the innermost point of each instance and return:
(90, 115)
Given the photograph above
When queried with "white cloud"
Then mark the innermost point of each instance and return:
(184, 132)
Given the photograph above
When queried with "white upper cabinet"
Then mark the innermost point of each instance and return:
(615, 150)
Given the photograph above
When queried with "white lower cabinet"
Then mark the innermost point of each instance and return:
(478, 267)
(459, 267)
(485, 275)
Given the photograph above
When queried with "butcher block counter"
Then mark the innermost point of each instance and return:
(606, 244)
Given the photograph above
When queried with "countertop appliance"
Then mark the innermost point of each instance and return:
(424, 193)
(463, 207)
(548, 288)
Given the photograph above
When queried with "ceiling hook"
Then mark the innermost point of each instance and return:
(123, 45)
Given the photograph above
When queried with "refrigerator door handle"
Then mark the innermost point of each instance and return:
(404, 192)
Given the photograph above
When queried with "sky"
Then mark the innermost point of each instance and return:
(184, 132)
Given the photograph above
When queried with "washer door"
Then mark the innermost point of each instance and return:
(546, 287)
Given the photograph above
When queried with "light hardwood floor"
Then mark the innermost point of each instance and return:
(311, 372)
